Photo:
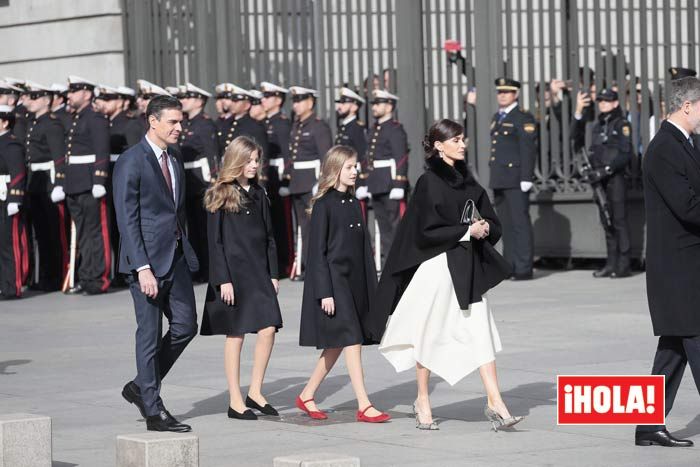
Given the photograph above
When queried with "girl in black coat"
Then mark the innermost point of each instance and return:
(243, 280)
(434, 283)
(340, 280)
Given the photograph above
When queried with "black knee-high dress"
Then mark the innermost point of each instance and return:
(242, 251)
(339, 265)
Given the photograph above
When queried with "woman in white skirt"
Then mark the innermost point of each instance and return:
(434, 284)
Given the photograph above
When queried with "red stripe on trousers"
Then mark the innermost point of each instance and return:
(65, 259)
(25, 254)
(17, 255)
(105, 244)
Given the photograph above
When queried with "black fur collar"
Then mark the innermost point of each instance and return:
(457, 177)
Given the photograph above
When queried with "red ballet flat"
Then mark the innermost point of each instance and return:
(315, 414)
(381, 418)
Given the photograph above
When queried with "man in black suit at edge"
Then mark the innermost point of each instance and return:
(149, 199)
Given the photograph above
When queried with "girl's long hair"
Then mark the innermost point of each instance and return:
(222, 194)
(333, 163)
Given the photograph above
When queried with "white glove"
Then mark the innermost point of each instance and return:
(57, 194)
(396, 193)
(12, 209)
(525, 186)
(314, 189)
(98, 191)
(362, 193)
(284, 192)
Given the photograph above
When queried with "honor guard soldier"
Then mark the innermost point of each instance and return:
(223, 110)
(310, 140)
(610, 153)
(84, 181)
(10, 95)
(145, 92)
(45, 152)
(13, 238)
(278, 126)
(386, 169)
(257, 111)
(512, 162)
(351, 130)
(21, 113)
(59, 106)
(239, 101)
(199, 154)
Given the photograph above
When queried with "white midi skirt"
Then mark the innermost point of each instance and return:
(429, 327)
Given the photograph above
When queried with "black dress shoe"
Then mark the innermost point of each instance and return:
(132, 394)
(267, 409)
(605, 272)
(660, 438)
(76, 290)
(247, 415)
(521, 277)
(298, 278)
(165, 422)
(620, 274)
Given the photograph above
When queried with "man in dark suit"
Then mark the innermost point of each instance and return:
(672, 203)
(149, 199)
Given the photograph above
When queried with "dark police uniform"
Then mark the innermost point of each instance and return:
(45, 155)
(386, 167)
(199, 154)
(310, 140)
(87, 164)
(513, 152)
(611, 150)
(13, 237)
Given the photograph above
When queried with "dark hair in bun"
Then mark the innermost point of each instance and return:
(442, 130)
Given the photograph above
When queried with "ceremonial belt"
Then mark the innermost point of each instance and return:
(4, 180)
(202, 164)
(315, 164)
(77, 160)
(279, 163)
(47, 166)
(383, 164)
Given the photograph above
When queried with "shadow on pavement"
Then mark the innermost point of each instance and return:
(8, 363)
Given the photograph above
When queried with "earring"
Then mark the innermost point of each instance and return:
(441, 154)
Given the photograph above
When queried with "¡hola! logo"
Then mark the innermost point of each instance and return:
(610, 400)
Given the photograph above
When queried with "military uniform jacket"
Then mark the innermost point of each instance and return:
(611, 142)
(22, 118)
(309, 141)
(12, 169)
(387, 158)
(513, 149)
(65, 117)
(243, 126)
(88, 136)
(124, 132)
(353, 134)
(278, 128)
(45, 152)
(199, 153)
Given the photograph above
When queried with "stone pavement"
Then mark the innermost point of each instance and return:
(68, 358)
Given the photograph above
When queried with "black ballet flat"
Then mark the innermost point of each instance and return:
(247, 415)
(266, 410)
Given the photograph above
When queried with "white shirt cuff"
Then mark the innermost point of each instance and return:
(466, 236)
(143, 268)
(578, 116)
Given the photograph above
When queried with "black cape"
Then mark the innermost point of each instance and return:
(431, 226)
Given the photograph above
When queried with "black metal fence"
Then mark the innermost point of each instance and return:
(398, 44)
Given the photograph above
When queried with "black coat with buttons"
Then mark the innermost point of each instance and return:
(231, 128)
(340, 266)
(12, 164)
(386, 141)
(353, 134)
(242, 252)
(198, 141)
(88, 135)
(309, 140)
(124, 132)
(45, 143)
(513, 149)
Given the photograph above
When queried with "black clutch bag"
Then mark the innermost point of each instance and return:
(470, 214)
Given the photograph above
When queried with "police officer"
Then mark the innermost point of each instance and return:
(610, 152)
(83, 178)
(310, 140)
(199, 154)
(385, 173)
(58, 106)
(240, 123)
(45, 152)
(278, 127)
(513, 152)
(12, 185)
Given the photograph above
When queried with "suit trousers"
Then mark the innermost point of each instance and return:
(155, 355)
(300, 203)
(672, 355)
(513, 209)
(92, 225)
(388, 213)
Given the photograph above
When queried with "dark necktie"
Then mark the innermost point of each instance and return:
(690, 141)
(501, 116)
(166, 171)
